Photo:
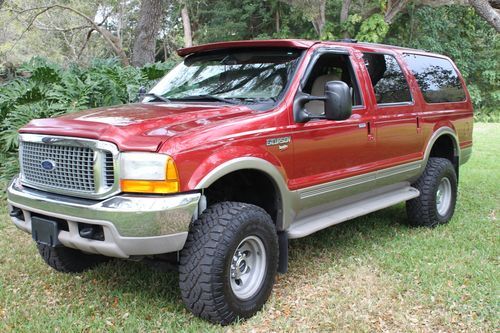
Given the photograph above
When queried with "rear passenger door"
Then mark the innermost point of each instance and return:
(395, 114)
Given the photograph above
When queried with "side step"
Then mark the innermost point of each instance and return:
(311, 224)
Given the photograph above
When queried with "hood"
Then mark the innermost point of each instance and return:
(142, 126)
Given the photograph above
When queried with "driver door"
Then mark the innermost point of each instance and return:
(332, 159)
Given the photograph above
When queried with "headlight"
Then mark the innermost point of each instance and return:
(148, 173)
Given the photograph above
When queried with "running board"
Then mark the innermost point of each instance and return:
(325, 219)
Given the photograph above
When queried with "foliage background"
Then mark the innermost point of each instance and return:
(52, 64)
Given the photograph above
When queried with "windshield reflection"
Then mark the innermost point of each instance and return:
(229, 76)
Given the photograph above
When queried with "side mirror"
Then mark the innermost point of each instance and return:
(338, 103)
(142, 92)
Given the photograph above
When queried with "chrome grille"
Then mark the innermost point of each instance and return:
(73, 166)
(109, 173)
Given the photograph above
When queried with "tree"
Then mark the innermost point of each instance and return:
(147, 28)
(186, 23)
(344, 14)
(486, 10)
(113, 41)
(315, 10)
(394, 7)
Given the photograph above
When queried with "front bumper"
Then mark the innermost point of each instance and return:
(133, 225)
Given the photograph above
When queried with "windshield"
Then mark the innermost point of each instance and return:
(229, 76)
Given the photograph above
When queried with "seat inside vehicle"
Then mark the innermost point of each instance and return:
(329, 67)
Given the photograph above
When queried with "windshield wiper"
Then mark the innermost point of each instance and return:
(207, 97)
(156, 96)
(259, 99)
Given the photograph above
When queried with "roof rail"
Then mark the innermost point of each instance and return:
(346, 40)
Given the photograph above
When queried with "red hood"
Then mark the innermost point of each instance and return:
(137, 126)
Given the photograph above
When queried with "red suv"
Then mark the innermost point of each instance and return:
(239, 148)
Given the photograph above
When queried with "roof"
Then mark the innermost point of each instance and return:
(291, 43)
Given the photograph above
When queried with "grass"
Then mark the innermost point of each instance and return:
(369, 274)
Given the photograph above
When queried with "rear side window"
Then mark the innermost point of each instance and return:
(389, 82)
(436, 77)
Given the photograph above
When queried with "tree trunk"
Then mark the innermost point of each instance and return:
(319, 19)
(186, 23)
(150, 14)
(277, 20)
(394, 7)
(487, 12)
(344, 14)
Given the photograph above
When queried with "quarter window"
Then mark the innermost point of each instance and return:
(436, 77)
(388, 80)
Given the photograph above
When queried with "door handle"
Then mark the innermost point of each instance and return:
(368, 126)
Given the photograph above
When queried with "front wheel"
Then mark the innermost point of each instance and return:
(67, 260)
(229, 263)
(438, 194)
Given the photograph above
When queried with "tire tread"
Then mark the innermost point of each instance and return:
(421, 211)
(209, 238)
(67, 260)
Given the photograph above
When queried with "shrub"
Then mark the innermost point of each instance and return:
(42, 89)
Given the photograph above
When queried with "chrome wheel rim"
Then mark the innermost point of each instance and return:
(443, 196)
(248, 267)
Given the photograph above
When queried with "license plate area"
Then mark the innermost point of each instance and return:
(45, 231)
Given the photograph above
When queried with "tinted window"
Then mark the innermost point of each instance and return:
(388, 81)
(437, 78)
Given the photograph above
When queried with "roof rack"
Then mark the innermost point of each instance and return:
(346, 40)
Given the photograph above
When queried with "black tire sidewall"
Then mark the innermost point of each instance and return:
(266, 233)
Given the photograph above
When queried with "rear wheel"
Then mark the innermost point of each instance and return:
(67, 260)
(438, 194)
(228, 265)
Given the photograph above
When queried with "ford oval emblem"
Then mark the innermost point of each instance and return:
(48, 165)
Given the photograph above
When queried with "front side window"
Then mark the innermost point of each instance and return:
(388, 80)
(236, 75)
(436, 77)
(330, 67)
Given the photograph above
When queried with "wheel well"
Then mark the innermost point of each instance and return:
(444, 147)
(249, 186)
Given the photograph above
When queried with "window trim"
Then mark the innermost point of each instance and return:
(398, 61)
(453, 65)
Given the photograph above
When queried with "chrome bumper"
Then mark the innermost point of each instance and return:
(132, 224)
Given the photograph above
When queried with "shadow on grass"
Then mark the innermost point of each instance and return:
(352, 238)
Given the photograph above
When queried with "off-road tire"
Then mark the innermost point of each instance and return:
(423, 210)
(205, 261)
(67, 260)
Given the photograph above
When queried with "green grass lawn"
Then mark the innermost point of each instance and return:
(369, 274)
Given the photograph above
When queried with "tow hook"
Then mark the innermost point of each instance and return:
(16, 213)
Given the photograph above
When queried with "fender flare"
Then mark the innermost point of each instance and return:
(445, 130)
(285, 212)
